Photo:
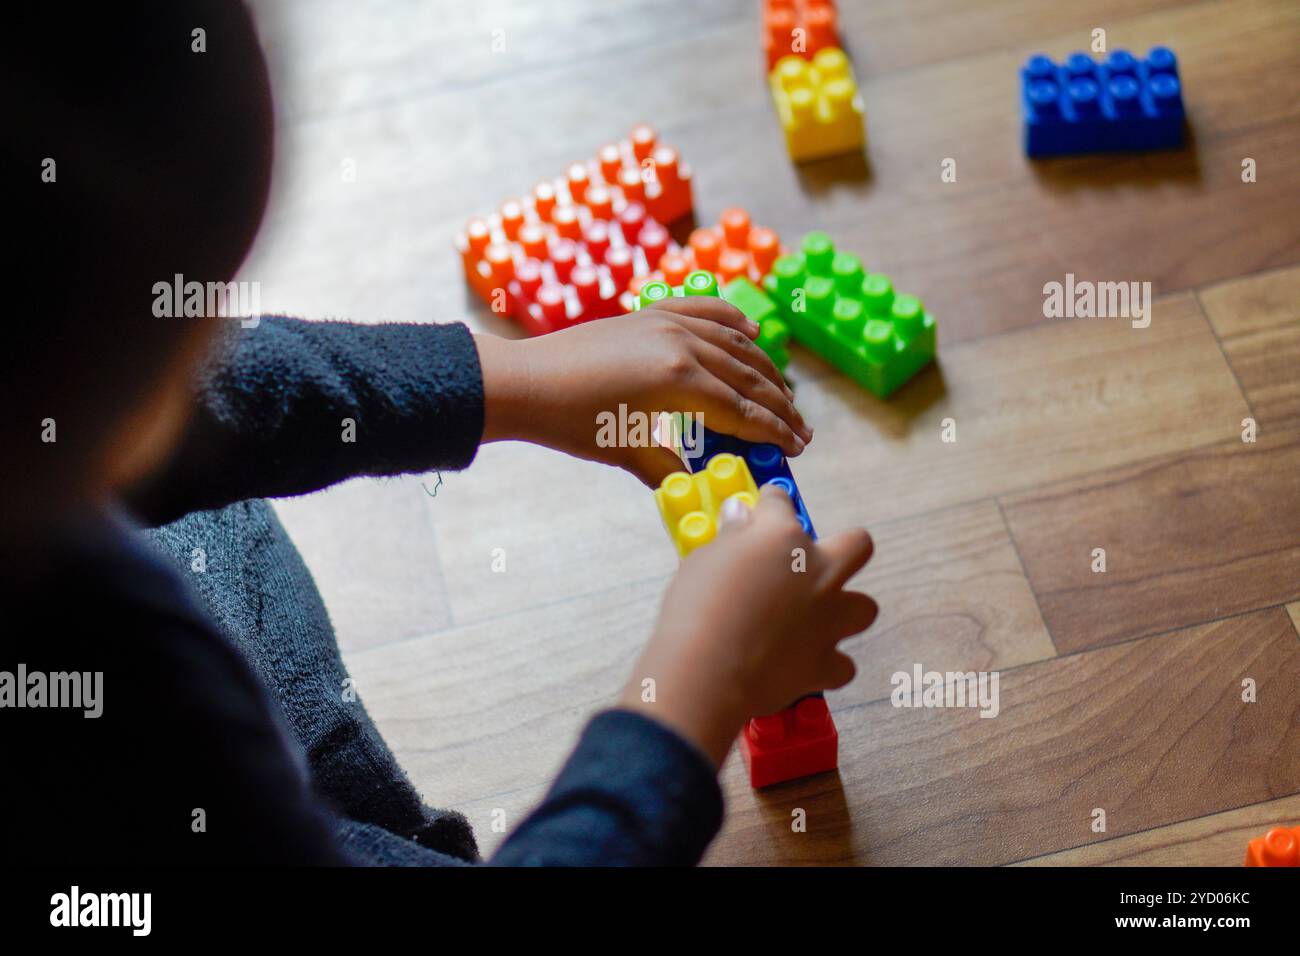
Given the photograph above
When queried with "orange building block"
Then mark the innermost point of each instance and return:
(567, 252)
(801, 27)
(1278, 847)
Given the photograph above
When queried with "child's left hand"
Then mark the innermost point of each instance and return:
(690, 354)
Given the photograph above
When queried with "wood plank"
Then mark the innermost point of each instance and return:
(1031, 407)
(1217, 840)
(952, 596)
(1188, 537)
(1257, 319)
(1149, 731)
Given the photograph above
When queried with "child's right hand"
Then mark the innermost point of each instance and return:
(750, 624)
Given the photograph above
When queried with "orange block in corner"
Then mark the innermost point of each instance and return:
(801, 27)
(1278, 847)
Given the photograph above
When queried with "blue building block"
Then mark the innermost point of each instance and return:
(766, 463)
(1082, 106)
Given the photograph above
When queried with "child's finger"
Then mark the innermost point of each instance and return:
(774, 505)
(844, 554)
(749, 382)
(652, 463)
(739, 345)
(733, 413)
(711, 308)
(849, 613)
(838, 671)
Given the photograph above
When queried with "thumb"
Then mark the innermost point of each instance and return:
(651, 464)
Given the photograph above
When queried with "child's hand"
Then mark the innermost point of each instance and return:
(691, 354)
(742, 633)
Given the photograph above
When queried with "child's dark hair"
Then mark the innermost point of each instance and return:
(138, 147)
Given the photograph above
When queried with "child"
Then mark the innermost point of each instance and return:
(150, 717)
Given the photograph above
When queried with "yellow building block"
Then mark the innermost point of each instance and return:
(818, 104)
(689, 504)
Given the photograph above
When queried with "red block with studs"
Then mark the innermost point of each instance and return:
(801, 27)
(796, 742)
(1278, 847)
(731, 248)
(566, 253)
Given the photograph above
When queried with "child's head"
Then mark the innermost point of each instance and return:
(138, 137)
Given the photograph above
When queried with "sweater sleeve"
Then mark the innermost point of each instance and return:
(633, 793)
(291, 406)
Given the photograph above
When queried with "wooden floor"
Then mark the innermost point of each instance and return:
(1120, 691)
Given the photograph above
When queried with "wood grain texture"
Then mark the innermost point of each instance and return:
(1217, 840)
(952, 596)
(397, 122)
(1258, 321)
(1188, 537)
(1031, 407)
(1151, 731)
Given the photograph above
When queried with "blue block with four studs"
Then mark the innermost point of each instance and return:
(1084, 106)
(766, 463)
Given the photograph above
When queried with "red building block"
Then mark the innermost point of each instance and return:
(1278, 847)
(801, 27)
(566, 253)
(796, 742)
(731, 248)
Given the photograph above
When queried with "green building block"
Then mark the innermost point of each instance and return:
(850, 317)
(773, 334)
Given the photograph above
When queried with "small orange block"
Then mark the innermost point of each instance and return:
(801, 27)
(1278, 847)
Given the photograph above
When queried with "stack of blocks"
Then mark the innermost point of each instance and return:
(567, 253)
(850, 317)
(1084, 107)
(801, 740)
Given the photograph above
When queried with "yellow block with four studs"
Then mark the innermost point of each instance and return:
(690, 504)
(818, 104)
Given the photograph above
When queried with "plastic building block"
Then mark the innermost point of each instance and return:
(773, 333)
(818, 105)
(690, 503)
(800, 740)
(796, 742)
(1082, 106)
(851, 318)
(1278, 847)
(734, 247)
(801, 27)
(566, 253)
(765, 463)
